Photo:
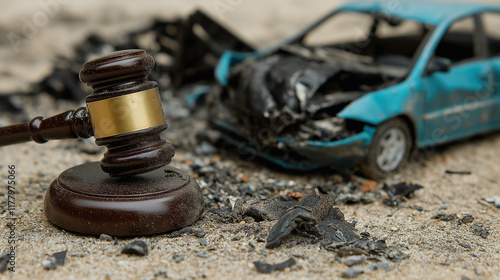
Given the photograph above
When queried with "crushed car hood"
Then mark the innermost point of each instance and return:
(296, 83)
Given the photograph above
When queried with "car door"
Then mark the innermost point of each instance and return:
(491, 22)
(456, 83)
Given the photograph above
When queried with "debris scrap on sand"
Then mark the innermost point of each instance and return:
(55, 260)
(264, 267)
(316, 218)
(399, 192)
(136, 247)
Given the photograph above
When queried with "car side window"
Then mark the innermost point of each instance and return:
(491, 23)
(458, 43)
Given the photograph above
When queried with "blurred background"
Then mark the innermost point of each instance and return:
(41, 39)
(41, 30)
(34, 33)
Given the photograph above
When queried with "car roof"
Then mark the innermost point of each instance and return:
(429, 12)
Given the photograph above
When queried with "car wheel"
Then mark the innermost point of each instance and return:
(389, 150)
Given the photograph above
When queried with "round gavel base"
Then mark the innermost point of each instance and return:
(84, 199)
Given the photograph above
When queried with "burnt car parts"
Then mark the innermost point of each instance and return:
(186, 51)
(285, 105)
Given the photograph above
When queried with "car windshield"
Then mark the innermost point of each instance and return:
(371, 37)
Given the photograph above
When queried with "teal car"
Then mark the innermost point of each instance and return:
(364, 86)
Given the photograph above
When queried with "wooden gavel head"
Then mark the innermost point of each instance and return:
(126, 113)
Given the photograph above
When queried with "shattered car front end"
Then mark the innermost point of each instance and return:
(283, 107)
(285, 104)
(290, 153)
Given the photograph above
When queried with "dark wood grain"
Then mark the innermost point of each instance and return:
(117, 74)
(67, 125)
(86, 200)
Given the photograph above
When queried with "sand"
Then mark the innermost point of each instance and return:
(436, 249)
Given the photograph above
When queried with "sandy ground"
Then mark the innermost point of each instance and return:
(436, 249)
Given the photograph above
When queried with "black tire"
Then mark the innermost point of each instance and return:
(377, 164)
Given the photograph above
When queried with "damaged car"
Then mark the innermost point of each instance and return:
(364, 86)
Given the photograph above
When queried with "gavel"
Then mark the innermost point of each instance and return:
(124, 113)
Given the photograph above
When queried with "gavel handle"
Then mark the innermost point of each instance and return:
(67, 125)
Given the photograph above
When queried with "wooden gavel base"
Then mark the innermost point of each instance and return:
(86, 200)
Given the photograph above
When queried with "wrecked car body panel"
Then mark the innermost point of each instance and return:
(305, 106)
(374, 109)
(345, 153)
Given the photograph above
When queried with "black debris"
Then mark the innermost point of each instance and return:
(416, 207)
(105, 237)
(480, 230)
(79, 255)
(178, 257)
(399, 192)
(352, 272)
(237, 237)
(338, 230)
(464, 245)
(314, 216)
(4, 261)
(162, 273)
(477, 228)
(374, 247)
(186, 51)
(257, 199)
(197, 55)
(352, 193)
(55, 260)
(454, 172)
(136, 247)
(60, 257)
(296, 219)
(260, 238)
(217, 214)
(467, 219)
(345, 251)
(264, 267)
(365, 249)
(265, 209)
(445, 217)
(252, 247)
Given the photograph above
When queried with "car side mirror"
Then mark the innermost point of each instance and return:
(438, 64)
